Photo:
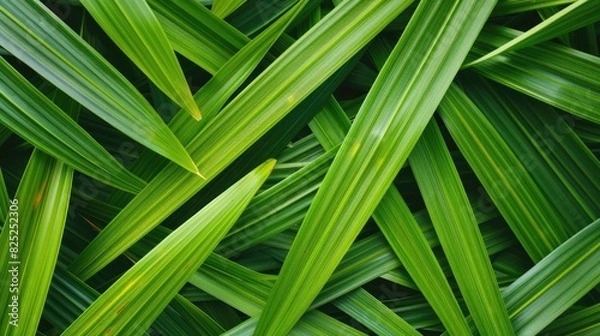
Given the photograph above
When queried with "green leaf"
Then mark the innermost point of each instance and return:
(577, 15)
(556, 282)
(189, 311)
(559, 76)
(456, 227)
(4, 199)
(556, 159)
(503, 176)
(244, 289)
(135, 30)
(198, 34)
(69, 297)
(248, 291)
(256, 14)
(366, 260)
(372, 313)
(281, 87)
(5, 133)
(531, 157)
(35, 118)
(518, 6)
(215, 93)
(222, 8)
(278, 208)
(314, 323)
(33, 230)
(382, 136)
(582, 322)
(409, 243)
(30, 32)
(184, 250)
(331, 125)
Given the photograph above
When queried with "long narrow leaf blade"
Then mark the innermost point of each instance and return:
(213, 95)
(196, 33)
(375, 315)
(280, 88)
(4, 198)
(516, 198)
(35, 118)
(170, 263)
(222, 8)
(555, 283)
(583, 322)
(411, 246)
(518, 6)
(135, 29)
(388, 125)
(32, 33)
(31, 239)
(456, 227)
(557, 160)
(577, 15)
(559, 76)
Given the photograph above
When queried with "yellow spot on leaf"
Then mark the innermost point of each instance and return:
(120, 309)
(354, 148)
(38, 197)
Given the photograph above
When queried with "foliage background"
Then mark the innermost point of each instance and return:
(436, 167)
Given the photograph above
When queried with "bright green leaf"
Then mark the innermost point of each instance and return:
(33, 34)
(222, 8)
(184, 250)
(280, 88)
(33, 230)
(456, 227)
(372, 313)
(392, 117)
(35, 118)
(577, 15)
(134, 28)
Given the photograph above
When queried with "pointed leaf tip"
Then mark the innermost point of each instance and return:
(195, 113)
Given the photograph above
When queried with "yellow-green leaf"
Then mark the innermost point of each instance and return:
(31, 241)
(135, 29)
(157, 277)
(33, 34)
(395, 112)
